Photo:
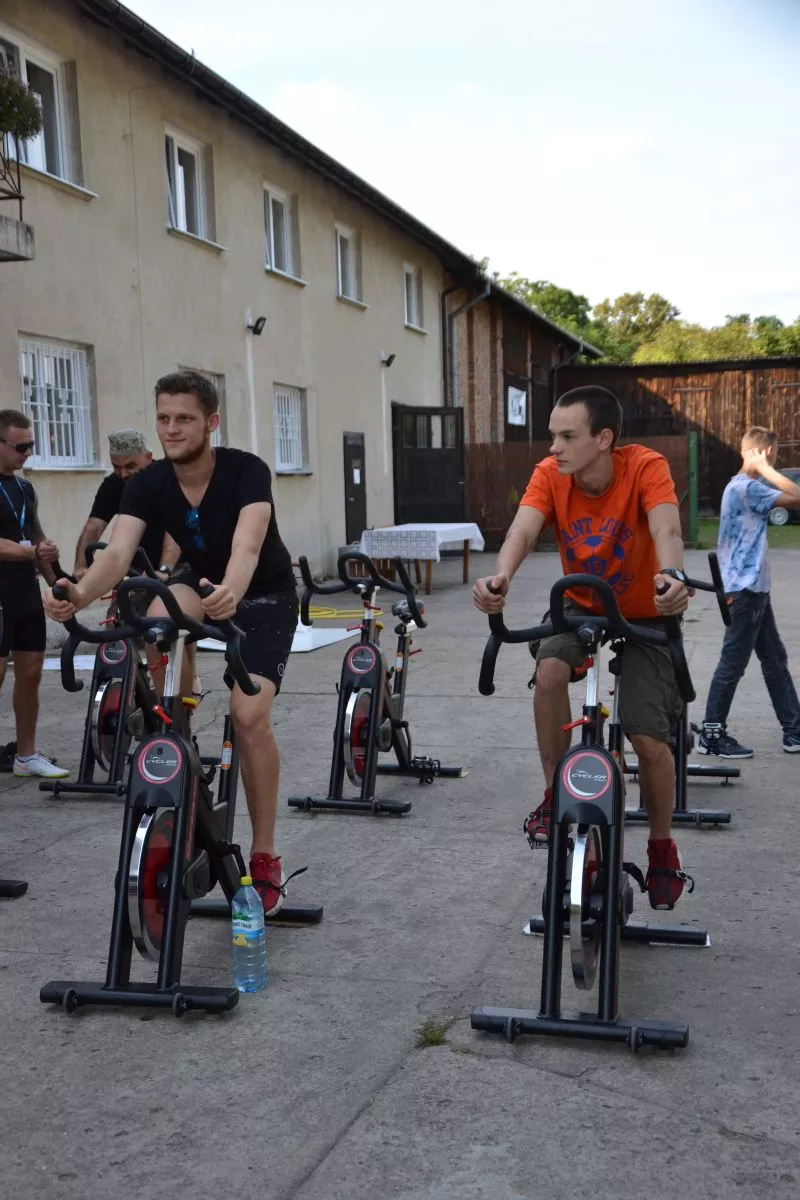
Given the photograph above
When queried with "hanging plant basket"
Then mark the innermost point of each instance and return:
(20, 114)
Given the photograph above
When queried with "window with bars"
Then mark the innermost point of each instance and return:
(291, 453)
(185, 185)
(45, 150)
(281, 231)
(55, 395)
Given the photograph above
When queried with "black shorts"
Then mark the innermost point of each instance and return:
(268, 622)
(24, 626)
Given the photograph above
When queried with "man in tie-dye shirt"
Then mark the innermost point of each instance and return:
(744, 562)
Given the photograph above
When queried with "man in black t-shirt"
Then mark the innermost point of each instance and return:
(218, 507)
(128, 453)
(24, 550)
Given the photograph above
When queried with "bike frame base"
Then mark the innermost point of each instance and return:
(420, 772)
(511, 1022)
(652, 935)
(114, 790)
(12, 889)
(180, 998)
(290, 914)
(683, 816)
(394, 808)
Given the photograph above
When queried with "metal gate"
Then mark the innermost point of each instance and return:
(428, 447)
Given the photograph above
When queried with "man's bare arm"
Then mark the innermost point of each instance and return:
(91, 532)
(665, 529)
(522, 536)
(248, 538)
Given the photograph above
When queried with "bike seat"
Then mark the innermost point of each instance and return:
(403, 612)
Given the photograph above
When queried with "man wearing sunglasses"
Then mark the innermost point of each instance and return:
(217, 505)
(24, 551)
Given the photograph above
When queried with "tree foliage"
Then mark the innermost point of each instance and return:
(635, 328)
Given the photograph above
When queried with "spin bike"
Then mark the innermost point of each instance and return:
(589, 895)
(177, 837)
(369, 717)
(122, 703)
(683, 741)
(10, 889)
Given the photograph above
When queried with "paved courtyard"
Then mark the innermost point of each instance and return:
(323, 1086)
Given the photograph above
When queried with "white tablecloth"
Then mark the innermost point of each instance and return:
(418, 539)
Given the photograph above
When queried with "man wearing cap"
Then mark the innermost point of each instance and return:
(129, 454)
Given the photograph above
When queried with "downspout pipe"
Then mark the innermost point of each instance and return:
(451, 320)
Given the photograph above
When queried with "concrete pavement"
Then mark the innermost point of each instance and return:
(317, 1089)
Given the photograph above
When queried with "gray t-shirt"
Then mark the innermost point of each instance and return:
(742, 546)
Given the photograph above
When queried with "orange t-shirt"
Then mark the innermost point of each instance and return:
(607, 535)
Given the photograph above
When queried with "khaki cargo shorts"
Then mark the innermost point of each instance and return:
(649, 700)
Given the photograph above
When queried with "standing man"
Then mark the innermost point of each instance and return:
(217, 505)
(615, 515)
(744, 561)
(129, 454)
(24, 551)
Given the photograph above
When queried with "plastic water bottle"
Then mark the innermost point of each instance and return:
(249, 939)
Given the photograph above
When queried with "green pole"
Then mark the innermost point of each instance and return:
(692, 531)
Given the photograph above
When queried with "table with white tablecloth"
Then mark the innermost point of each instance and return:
(422, 541)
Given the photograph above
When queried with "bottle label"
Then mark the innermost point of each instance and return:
(398, 666)
(245, 929)
(227, 755)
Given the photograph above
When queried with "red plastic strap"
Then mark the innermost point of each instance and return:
(159, 711)
(575, 724)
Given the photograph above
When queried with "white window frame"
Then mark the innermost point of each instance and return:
(180, 141)
(414, 311)
(290, 429)
(290, 250)
(61, 415)
(42, 58)
(348, 283)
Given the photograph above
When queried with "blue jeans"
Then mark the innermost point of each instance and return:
(752, 628)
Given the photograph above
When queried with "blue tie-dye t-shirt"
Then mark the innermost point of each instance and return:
(743, 552)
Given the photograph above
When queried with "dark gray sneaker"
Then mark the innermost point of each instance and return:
(715, 739)
(791, 743)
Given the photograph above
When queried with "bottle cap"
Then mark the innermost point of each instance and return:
(247, 881)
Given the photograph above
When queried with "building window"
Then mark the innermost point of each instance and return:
(348, 263)
(413, 283)
(220, 435)
(55, 395)
(290, 428)
(42, 74)
(280, 227)
(185, 185)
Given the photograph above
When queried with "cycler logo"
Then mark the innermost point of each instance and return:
(159, 762)
(586, 776)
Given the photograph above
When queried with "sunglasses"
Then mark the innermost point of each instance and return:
(20, 447)
(193, 525)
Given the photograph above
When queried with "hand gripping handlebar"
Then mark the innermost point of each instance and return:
(353, 583)
(154, 629)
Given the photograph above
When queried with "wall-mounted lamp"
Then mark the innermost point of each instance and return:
(387, 360)
(257, 327)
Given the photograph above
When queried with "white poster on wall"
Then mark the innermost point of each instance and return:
(517, 404)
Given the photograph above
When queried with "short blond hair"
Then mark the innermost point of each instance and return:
(758, 437)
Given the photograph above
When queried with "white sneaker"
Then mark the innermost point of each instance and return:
(37, 764)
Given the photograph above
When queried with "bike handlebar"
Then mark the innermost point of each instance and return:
(140, 563)
(154, 629)
(354, 583)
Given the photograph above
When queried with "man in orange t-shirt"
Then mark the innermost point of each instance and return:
(615, 515)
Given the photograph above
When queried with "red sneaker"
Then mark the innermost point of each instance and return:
(665, 879)
(537, 825)
(268, 881)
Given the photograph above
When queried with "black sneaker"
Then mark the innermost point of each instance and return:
(791, 743)
(715, 739)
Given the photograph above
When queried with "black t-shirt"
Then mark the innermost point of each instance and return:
(106, 506)
(18, 580)
(205, 534)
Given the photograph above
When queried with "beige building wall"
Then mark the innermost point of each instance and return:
(109, 276)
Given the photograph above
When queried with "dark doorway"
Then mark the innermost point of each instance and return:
(428, 445)
(355, 487)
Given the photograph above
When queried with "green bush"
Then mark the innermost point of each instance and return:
(20, 114)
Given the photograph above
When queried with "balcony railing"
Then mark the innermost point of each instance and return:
(10, 175)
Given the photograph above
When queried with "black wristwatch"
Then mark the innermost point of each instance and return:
(674, 573)
(165, 569)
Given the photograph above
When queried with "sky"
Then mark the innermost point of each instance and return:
(604, 145)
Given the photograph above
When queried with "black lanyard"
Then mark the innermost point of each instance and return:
(20, 516)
